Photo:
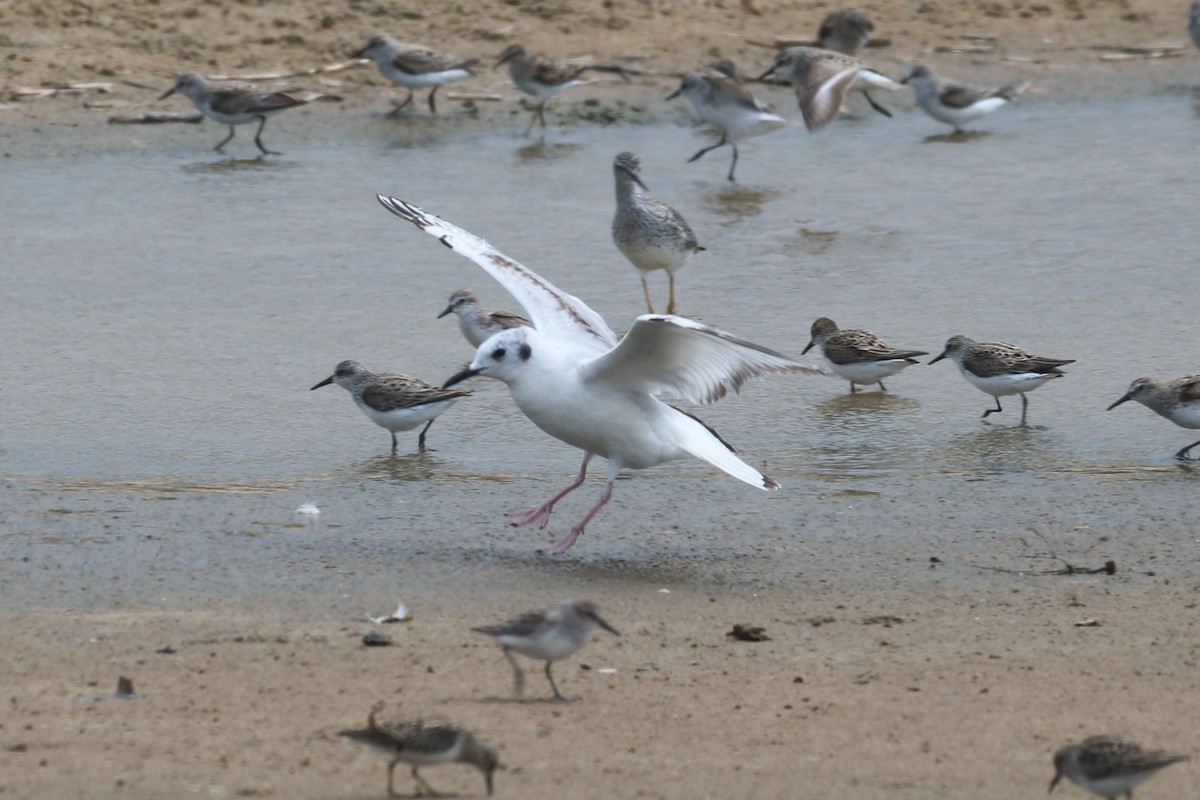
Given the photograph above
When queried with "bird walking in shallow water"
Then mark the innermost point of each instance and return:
(859, 356)
(477, 323)
(1108, 766)
(650, 233)
(393, 401)
(1177, 400)
(576, 382)
(538, 76)
(547, 636)
(955, 103)
(1000, 369)
(728, 108)
(232, 103)
(424, 743)
(415, 67)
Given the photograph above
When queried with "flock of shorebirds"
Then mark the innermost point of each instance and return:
(575, 380)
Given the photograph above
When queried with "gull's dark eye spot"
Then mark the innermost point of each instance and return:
(525, 352)
(498, 353)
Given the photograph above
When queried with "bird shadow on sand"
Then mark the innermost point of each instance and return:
(734, 203)
(259, 163)
(541, 151)
(956, 137)
(408, 468)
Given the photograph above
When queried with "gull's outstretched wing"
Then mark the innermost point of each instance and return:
(663, 353)
(552, 311)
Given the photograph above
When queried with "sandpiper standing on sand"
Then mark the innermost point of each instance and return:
(859, 356)
(650, 233)
(547, 636)
(538, 76)
(415, 67)
(1108, 766)
(1000, 369)
(846, 31)
(955, 103)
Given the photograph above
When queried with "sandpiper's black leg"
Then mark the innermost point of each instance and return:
(882, 388)
(393, 442)
(733, 165)
(225, 141)
(518, 674)
(876, 106)
(1024, 407)
(1182, 455)
(993, 410)
(557, 694)
(421, 438)
(258, 139)
(432, 106)
(704, 150)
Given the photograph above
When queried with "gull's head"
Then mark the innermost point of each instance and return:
(625, 169)
(189, 84)
(347, 375)
(459, 301)
(917, 73)
(1137, 391)
(378, 45)
(956, 348)
(504, 357)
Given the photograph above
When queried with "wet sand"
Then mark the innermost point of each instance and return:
(923, 643)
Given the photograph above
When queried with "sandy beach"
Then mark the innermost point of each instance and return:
(952, 669)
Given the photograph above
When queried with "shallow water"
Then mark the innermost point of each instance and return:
(166, 313)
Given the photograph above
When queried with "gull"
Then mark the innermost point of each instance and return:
(821, 79)
(846, 31)
(539, 76)
(477, 323)
(1108, 766)
(391, 400)
(1000, 369)
(574, 379)
(1177, 400)
(548, 636)
(233, 103)
(415, 67)
(421, 743)
(647, 231)
(955, 103)
(728, 107)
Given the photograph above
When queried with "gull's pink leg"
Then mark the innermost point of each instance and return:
(540, 516)
(564, 544)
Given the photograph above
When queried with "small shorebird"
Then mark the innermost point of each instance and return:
(1194, 22)
(422, 743)
(538, 76)
(729, 108)
(573, 379)
(954, 103)
(1108, 766)
(650, 233)
(478, 324)
(392, 401)
(547, 636)
(1000, 369)
(821, 79)
(1177, 400)
(846, 31)
(859, 356)
(415, 67)
(232, 103)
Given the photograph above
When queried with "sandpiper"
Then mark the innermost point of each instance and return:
(821, 79)
(729, 108)
(954, 103)
(422, 743)
(859, 356)
(537, 75)
(846, 31)
(415, 67)
(232, 103)
(650, 233)
(1177, 400)
(392, 401)
(477, 323)
(547, 636)
(1000, 369)
(1108, 766)
(1194, 21)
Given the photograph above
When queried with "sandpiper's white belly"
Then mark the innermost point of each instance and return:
(869, 372)
(405, 419)
(550, 645)
(424, 79)
(738, 122)
(961, 116)
(1185, 416)
(1010, 383)
(420, 759)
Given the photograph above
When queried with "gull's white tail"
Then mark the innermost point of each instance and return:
(704, 443)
